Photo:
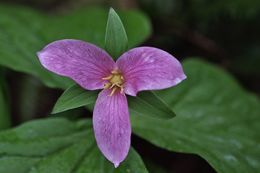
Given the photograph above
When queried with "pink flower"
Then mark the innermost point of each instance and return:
(139, 69)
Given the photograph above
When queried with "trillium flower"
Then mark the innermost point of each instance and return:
(139, 69)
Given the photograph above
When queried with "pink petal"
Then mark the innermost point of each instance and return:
(112, 126)
(83, 62)
(147, 68)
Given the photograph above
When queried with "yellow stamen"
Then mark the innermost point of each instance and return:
(113, 91)
(107, 85)
(115, 81)
(122, 90)
(108, 77)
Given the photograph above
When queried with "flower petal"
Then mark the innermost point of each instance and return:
(147, 68)
(112, 126)
(83, 62)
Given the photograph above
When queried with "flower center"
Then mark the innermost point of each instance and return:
(115, 82)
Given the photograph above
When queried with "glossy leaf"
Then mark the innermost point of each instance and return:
(149, 104)
(146, 103)
(217, 120)
(58, 145)
(74, 97)
(24, 31)
(116, 41)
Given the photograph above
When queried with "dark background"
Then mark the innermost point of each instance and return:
(222, 32)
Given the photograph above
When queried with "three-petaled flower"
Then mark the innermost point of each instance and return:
(139, 69)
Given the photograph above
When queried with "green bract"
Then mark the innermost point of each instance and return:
(146, 103)
(116, 41)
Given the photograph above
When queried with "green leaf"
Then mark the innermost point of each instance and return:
(5, 118)
(11, 164)
(74, 97)
(95, 163)
(146, 103)
(116, 41)
(58, 145)
(149, 104)
(216, 119)
(23, 32)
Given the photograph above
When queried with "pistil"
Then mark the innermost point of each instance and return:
(115, 81)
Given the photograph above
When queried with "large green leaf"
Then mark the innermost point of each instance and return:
(58, 145)
(216, 119)
(5, 118)
(24, 31)
(146, 103)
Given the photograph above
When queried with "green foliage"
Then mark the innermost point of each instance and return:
(59, 146)
(146, 103)
(116, 41)
(216, 119)
(74, 97)
(24, 31)
(5, 121)
(149, 104)
(20, 38)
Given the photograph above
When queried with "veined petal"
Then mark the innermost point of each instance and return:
(147, 68)
(112, 126)
(83, 62)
